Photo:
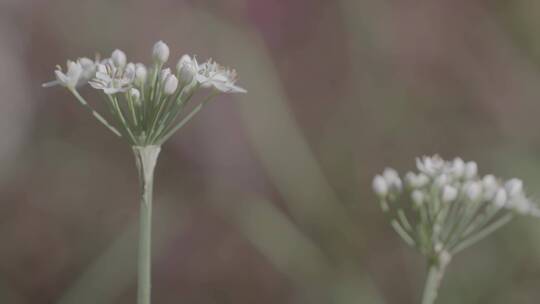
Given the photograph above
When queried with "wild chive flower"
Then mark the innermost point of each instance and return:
(112, 77)
(160, 52)
(447, 206)
(156, 114)
(147, 106)
(211, 74)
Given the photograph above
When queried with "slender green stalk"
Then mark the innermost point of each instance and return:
(146, 159)
(433, 282)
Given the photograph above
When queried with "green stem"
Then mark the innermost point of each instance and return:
(434, 278)
(146, 159)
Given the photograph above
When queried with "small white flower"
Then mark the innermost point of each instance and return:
(211, 74)
(392, 179)
(380, 186)
(170, 85)
(164, 74)
(112, 79)
(140, 74)
(72, 76)
(449, 194)
(500, 198)
(160, 52)
(514, 187)
(520, 205)
(430, 165)
(134, 94)
(118, 58)
(417, 197)
(89, 67)
(471, 168)
(416, 180)
(442, 180)
(473, 191)
(458, 167)
(490, 185)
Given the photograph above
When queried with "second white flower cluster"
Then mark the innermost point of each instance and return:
(446, 205)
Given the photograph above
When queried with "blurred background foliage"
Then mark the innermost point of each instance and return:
(266, 197)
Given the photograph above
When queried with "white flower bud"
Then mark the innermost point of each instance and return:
(129, 71)
(86, 62)
(417, 197)
(164, 74)
(449, 194)
(186, 69)
(422, 180)
(184, 60)
(500, 198)
(134, 94)
(522, 205)
(390, 174)
(430, 165)
(140, 74)
(458, 167)
(392, 179)
(514, 187)
(160, 52)
(410, 179)
(442, 180)
(380, 187)
(438, 247)
(471, 168)
(170, 85)
(474, 191)
(118, 58)
(490, 185)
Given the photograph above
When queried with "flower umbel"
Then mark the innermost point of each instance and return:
(148, 104)
(447, 206)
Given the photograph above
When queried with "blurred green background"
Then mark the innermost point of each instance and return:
(266, 197)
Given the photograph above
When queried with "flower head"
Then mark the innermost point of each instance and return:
(147, 103)
(446, 205)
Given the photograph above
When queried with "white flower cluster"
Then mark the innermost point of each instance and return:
(446, 205)
(152, 96)
(115, 74)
